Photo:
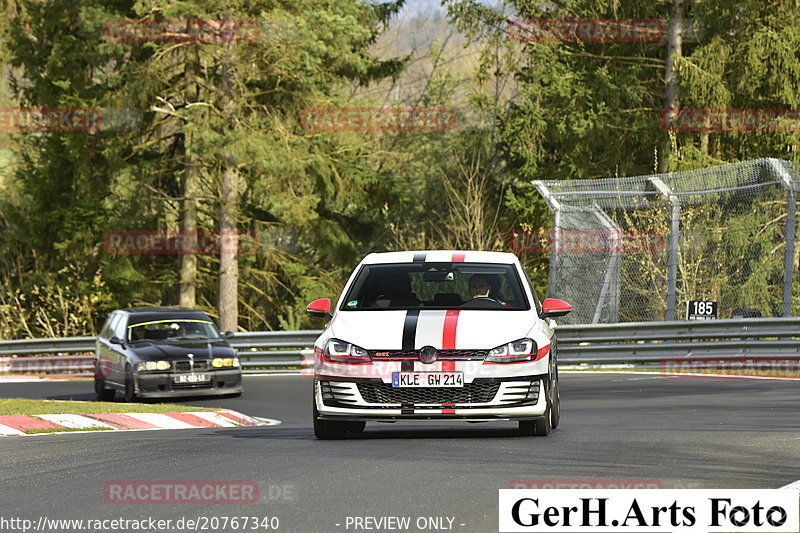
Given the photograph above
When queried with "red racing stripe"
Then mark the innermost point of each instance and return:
(449, 337)
(458, 257)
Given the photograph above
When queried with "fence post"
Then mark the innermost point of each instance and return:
(674, 234)
(555, 242)
(788, 257)
(791, 222)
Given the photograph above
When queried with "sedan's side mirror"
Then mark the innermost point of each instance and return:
(116, 340)
(227, 335)
(320, 308)
(552, 308)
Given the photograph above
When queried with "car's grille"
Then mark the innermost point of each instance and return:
(384, 393)
(448, 355)
(204, 385)
(341, 393)
(186, 366)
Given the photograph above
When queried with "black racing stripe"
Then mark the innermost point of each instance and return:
(410, 329)
(407, 366)
(419, 257)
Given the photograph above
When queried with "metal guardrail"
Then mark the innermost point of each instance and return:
(635, 343)
(653, 342)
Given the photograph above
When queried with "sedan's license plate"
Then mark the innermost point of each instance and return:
(192, 378)
(427, 379)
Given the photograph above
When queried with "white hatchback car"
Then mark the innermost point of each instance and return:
(437, 335)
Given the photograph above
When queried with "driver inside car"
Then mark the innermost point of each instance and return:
(479, 287)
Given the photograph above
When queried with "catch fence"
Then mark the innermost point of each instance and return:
(638, 249)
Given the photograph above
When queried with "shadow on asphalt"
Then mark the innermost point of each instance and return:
(378, 433)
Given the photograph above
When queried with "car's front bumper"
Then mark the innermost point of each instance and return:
(163, 385)
(512, 399)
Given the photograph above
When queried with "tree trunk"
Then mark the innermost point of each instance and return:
(674, 42)
(229, 211)
(191, 187)
(189, 228)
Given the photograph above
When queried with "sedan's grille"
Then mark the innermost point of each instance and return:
(454, 355)
(384, 393)
(204, 385)
(186, 366)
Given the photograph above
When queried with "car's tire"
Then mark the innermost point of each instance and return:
(329, 429)
(101, 393)
(543, 426)
(527, 427)
(130, 386)
(555, 408)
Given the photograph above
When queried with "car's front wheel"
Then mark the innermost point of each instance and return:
(555, 409)
(101, 393)
(549, 420)
(332, 429)
(130, 386)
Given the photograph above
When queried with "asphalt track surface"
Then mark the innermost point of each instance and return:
(680, 433)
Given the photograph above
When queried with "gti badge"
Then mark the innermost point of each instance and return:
(428, 355)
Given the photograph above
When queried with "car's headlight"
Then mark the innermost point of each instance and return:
(222, 362)
(337, 351)
(514, 352)
(153, 365)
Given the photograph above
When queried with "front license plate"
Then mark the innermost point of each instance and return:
(192, 378)
(427, 379)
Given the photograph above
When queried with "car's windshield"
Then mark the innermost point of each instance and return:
(485, 286)
(175, 329)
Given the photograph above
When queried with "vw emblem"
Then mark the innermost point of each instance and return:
(428, 355)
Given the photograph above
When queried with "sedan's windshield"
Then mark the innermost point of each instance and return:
(167, 330)
(485, 286)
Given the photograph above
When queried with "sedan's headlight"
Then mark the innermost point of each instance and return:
(518, 351)
(337, 351)
(222, 362)
(153, 365)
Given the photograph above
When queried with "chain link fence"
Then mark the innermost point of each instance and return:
(639, 248)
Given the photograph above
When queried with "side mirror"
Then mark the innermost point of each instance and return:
(320, 308)
(116, 340)
(227, 335)
(552, 308)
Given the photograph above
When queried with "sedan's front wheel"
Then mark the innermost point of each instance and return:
(101, 393)
(130, 386)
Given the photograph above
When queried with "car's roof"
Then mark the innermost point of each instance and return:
(160, 309)
(146, 314)
(440, 256)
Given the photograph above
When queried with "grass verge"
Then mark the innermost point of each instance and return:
(21, 406)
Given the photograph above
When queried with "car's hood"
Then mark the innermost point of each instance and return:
(462, 330)
(166, 350)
